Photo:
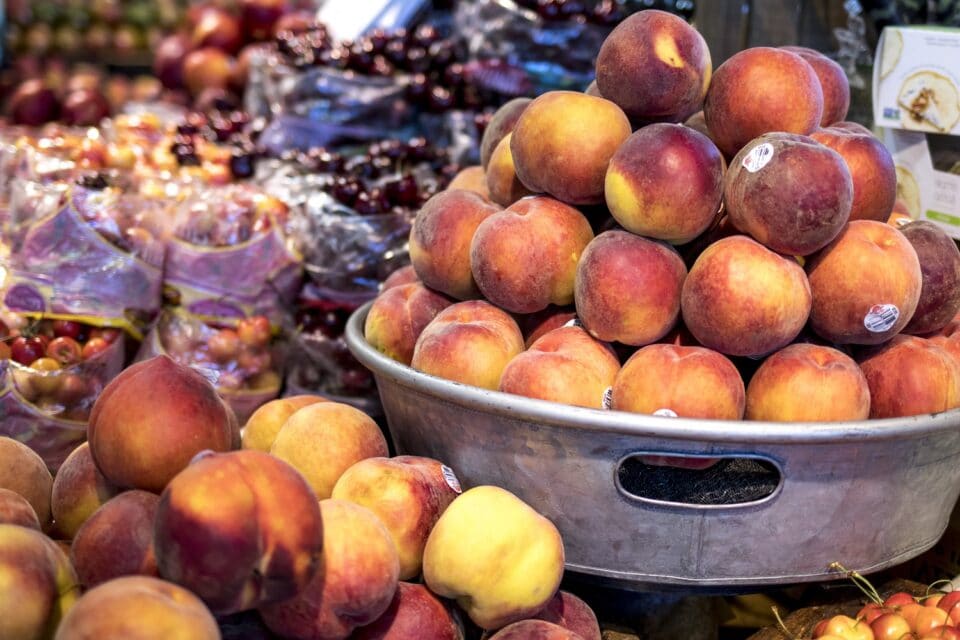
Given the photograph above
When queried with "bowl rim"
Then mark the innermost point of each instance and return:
(553, 414)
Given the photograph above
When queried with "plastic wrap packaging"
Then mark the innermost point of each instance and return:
(345, 252)
(97, 258)
(349, 253)
(322, 106)
(48, 409)
(246, 373)
(320, 362)
(552, 54)
(230, 255)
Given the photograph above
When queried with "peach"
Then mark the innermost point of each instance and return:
(866, 284)
(238, 529)
(502, 123)
(940, 267)
(79, 489)
(535, 630)
(572, 613)
(502, 182)
(264, 424)
(760, 90)
(152, 419)
(871, 169)
(14, 509)
(440, 241)
(833, 83)
(655, 66)
(138, 608)
(535, 325)
(790, 193)
(808, 383)
(37, 584)
(720, 228)
(403, 275)
(899, 216)
(910, 376)
(950, 343)
(354, 584)
(117, 540)
(408, 494)
(468, 342)
(413, 614)
(742, 299)
(472, 178)
(643, 176)
(628, 288)
(397, 317)
(23, 471)
(524, 258)
(670, 380)
(563, 142)
(698, 123)
(565, 365)
(323, 440)
(500, 559)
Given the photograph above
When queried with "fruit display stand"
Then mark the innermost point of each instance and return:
(574, 415)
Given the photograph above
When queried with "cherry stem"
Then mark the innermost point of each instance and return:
(936, 584)
(782, 625)
(862, 583)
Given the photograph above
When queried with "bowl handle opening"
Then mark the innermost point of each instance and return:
(698, 481)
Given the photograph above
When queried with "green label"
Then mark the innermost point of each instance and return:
(946, 218)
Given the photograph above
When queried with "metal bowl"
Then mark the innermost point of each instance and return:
(869, 494)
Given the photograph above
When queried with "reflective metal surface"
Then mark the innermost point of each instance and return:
(868, 494)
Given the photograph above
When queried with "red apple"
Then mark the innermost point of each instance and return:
(259, 17)
(84, 108)
(33, 103)
(168, 60)
(216, 28)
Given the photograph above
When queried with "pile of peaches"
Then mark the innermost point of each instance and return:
(170, 519)
(748, 263)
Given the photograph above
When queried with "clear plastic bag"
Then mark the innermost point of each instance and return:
(553, 54)
(352, 253)
(231, 254)
(321, 363)
(48, 409)
(96, 256)
(322, 106)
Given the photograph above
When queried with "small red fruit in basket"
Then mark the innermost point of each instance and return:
(844, 627)
(890, 626)
(67, 328)
(253, 361)
(44, 384)
(25, 350)
(951, 604)
(64, 350)
(224, 345)
(899, 599)
(94, 347)
(929, 618)
(871, 611)
(107, 333)
(73, 389)
(942, 633)
(254, 331)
